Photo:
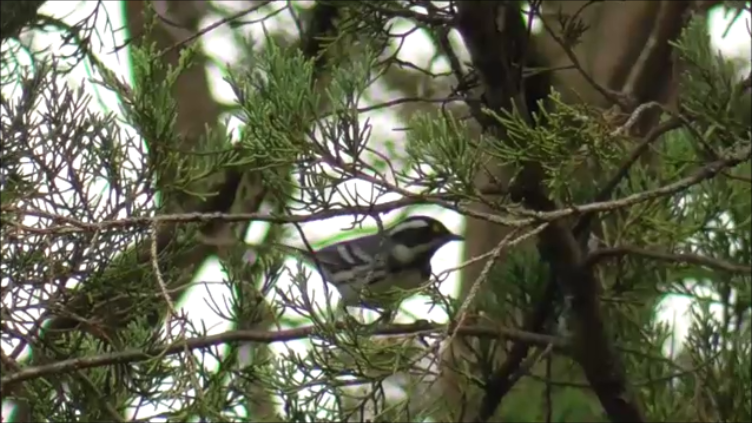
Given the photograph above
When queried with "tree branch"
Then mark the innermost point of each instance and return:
(265, 337)
(613, 252)
(583, 223)
(533, 215)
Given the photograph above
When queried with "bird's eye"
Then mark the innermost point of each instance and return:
(436, 228)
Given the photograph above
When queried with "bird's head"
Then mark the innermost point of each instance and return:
(418, 237)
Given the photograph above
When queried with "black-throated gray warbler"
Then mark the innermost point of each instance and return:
(365, 269)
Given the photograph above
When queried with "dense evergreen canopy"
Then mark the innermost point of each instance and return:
(599, 153)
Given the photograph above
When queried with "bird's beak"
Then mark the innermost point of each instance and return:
(454, 237)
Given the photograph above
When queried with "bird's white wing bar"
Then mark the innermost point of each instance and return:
(361, 254)
(344, 252)
(408, 224)
(359, 274)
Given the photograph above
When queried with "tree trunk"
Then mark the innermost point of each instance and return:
(625, 49)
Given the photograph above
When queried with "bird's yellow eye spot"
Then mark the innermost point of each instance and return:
(436, 227)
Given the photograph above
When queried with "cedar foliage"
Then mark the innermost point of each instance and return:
(106, 216)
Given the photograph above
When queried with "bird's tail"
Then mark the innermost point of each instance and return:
(253, 251)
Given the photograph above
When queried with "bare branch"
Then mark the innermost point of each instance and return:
(624, 250)
(266, 337)
(71, 225)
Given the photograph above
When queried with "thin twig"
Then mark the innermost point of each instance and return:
(634, 117)
(508, 241)
(213, 26)
(171, 313)
(610, 95)
(158, 273)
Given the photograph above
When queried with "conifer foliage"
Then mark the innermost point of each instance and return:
(600, 170)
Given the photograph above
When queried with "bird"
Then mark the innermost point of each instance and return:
(366, 270)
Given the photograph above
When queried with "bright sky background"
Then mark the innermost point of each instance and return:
(418, 49)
